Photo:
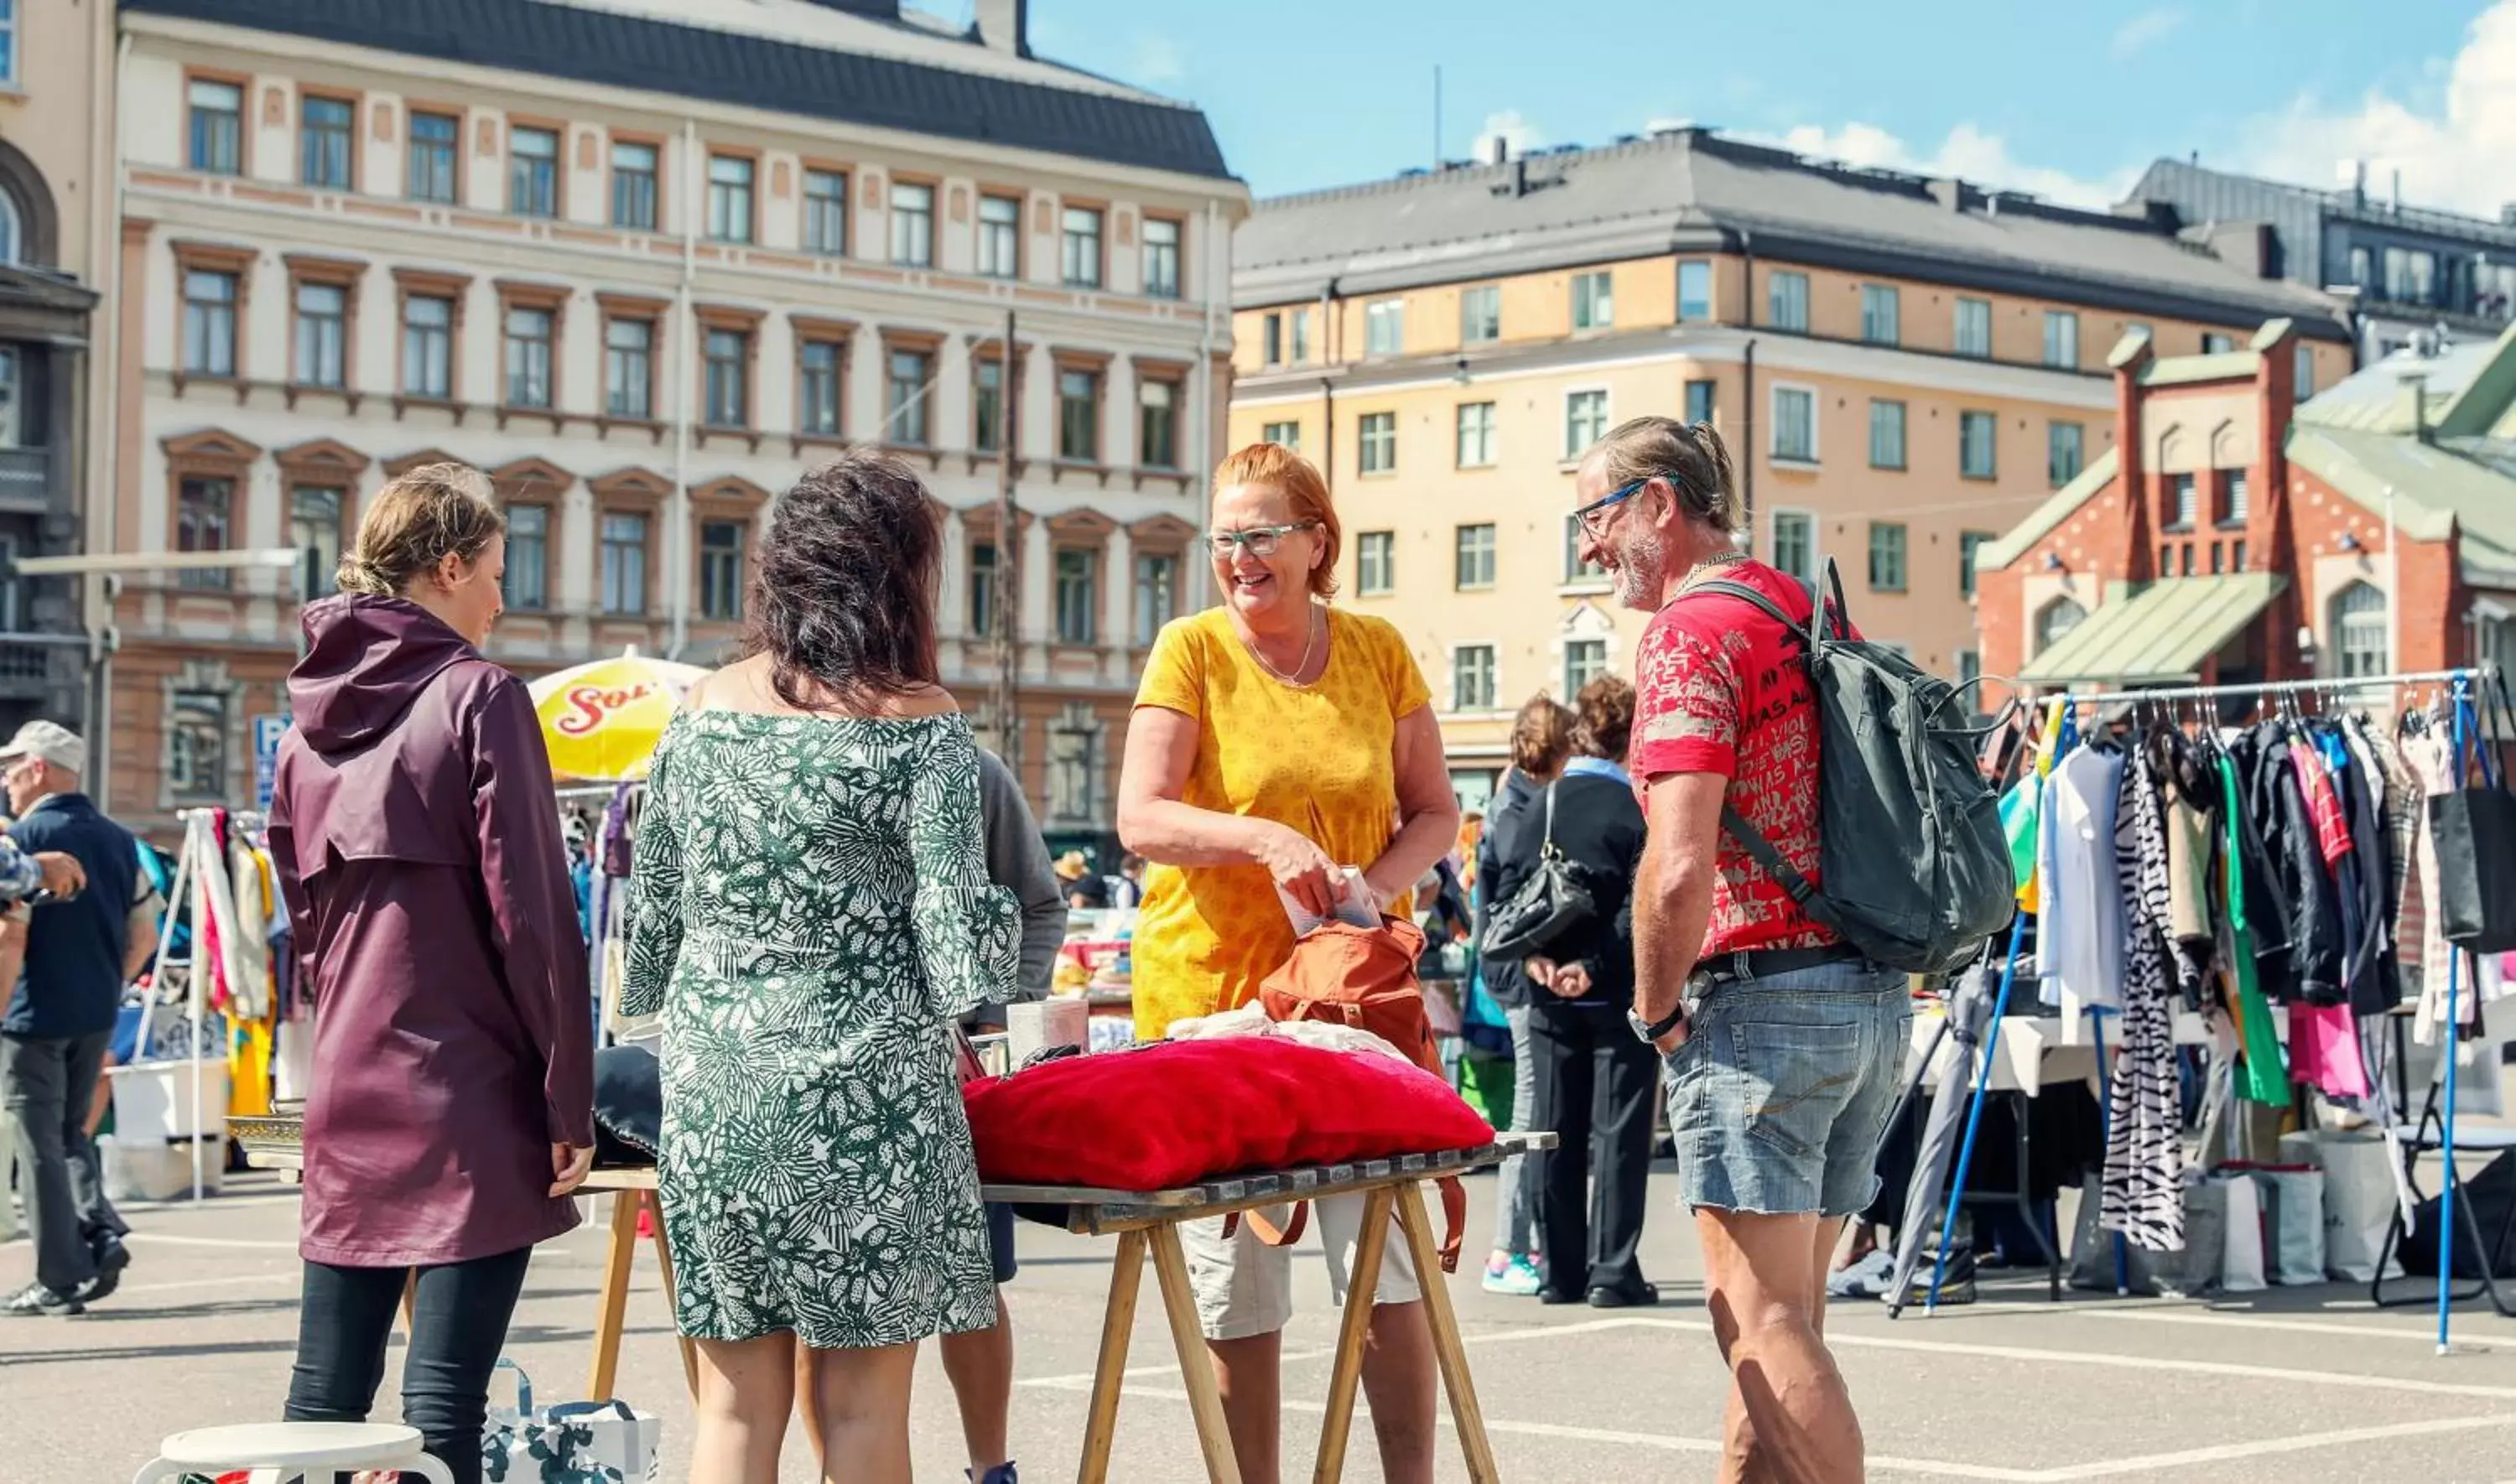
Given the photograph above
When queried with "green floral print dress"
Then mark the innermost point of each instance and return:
(811, 911)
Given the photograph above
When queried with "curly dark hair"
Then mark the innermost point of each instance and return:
(843, 599)
(1605, 710)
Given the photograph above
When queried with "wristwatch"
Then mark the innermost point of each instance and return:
(1650, 1031)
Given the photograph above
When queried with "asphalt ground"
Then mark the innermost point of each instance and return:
(2289, 1386)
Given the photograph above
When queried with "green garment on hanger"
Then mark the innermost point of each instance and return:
(2263, 1074)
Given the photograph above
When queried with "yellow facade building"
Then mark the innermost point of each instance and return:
(1902, 366)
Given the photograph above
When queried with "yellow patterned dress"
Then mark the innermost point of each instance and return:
(1317, 758)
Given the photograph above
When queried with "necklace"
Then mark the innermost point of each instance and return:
(1310, 643)
(1707, 564)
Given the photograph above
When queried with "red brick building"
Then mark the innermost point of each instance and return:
(2235, 534)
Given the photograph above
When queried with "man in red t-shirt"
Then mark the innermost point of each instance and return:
(1782, 1045)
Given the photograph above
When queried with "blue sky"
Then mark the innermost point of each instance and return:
(2071, 98)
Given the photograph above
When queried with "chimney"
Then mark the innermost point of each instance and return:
(2507, 213)
(2415, 394)
(1004, 25)
(1500, 150)
(1949, 192)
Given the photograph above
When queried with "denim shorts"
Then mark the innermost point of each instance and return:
(1779, 1097)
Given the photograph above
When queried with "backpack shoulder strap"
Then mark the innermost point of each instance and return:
(1801, 891)
(1745, 593)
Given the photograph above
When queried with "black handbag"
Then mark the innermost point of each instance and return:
(1555, 899)
(2474, 829)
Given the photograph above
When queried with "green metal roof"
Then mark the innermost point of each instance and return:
(2433, 488)
(1992, 555)
(2160, 634)
(2219, 367)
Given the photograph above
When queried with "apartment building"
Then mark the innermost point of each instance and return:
(1904, 367)
(646, 262)
(2408, 271)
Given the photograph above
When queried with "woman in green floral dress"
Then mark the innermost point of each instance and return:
(810, 912)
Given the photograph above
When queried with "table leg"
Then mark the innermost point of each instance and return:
(1204, 1397)
(1109, 1376)
(664, 1267)
(1354, 1335)
(1452, 1355)
(619, 1247)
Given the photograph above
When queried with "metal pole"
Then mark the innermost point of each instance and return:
(2482, 671)
(1974, 1114)
(1008, 595)
(2447, 1047)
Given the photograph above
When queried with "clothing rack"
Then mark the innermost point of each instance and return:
(2463, 682)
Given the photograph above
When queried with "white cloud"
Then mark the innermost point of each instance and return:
(2143, 31)
(1967, 153)
(1158, 62)
(1518, 135)
(2457, 150)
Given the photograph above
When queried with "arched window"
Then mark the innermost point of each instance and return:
(13, 235)
(2359, 631)
(2055, 619)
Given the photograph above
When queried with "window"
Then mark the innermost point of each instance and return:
(1795, 424)
(633, 186)
(1157, 594)
(1974, 328)
(326, 129)
(721, 570)
(2359, 631)
(2061, 339)
(1476, 435)
(428, 346)
(2411, 275)
(323, 334)
(209, 323)
(203, 511)
(528, 581)
(1574, 568)
(1978, 444)
(1162, 257)
(12, 436)
(1078, 416)
(216, 126)
(1472, 677)
(1584, 661)
(624, 563)
(1695, 290)
(982, 588)
(1271, 339)
(2057, 618)
(816, 389)
(529, 357)
(1078, 596)
(1886, 434)
(2217, 345)
(912, 225)
(628, 368)
(1082, 240)
(197, 745)
(1968, 543)
(1795, 545)
(1158, 420)
(2218, 559)
(2363, 269)
(1475, 569)
(1000, 237)
(825, 215)
(2183, 502)
(429, 169)
(1594, 300)
(2239, 501)
(729, 398)
(1384, 327)
(1969, 672)
(2065, 452)
(1585, 421)
(904, 397)
(1699, 401)
(1376, 442)
(1375, 563)
(8, 74)
(1301, 335)
(730, 197)
(988, 405)
(1480, 314)
(1886, 555)
(2303, 360)
(1787, 296)
(314, 530)
(1879, 313)
(532, 172)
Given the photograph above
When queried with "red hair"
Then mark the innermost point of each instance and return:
(1280, 469)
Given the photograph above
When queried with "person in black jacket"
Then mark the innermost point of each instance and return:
(1594, 1081)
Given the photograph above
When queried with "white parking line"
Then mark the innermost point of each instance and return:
(2226, 1453)
(2225, 1319)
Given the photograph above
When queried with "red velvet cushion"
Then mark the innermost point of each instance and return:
(1183, 1111)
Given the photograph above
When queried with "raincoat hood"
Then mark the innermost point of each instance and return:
(366, 660)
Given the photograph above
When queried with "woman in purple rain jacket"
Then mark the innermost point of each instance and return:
(417, 841)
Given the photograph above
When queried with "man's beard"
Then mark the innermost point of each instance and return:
(1642, 570)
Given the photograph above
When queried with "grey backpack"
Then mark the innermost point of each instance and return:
(1914, 871)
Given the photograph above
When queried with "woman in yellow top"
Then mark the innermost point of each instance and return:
(1276, 741)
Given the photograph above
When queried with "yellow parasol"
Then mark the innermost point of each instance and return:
(601, 721)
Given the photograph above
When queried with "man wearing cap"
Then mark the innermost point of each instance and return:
(59, 1013)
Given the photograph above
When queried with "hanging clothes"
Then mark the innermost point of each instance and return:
(2080, 934)
(2143, 1194)
(2375, 971)
(2190, 794)
(2311, 901)
(2262, 1071)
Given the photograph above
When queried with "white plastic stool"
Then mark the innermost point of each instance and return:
(317, 1452)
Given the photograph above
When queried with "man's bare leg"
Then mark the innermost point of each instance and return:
(1790, 1418)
